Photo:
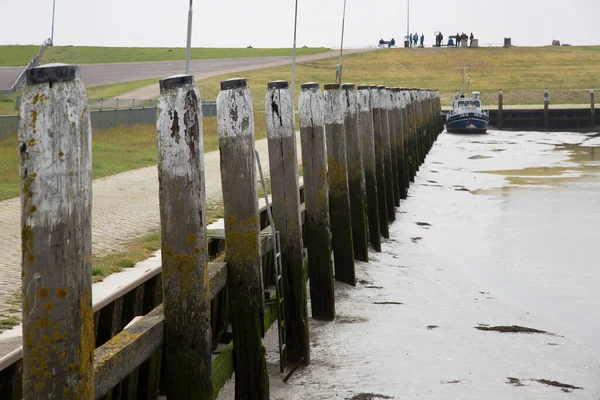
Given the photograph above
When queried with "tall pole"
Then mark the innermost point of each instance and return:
(342, 44)
(189, 41)
(294, 52)
(53, 9)
(408, 20)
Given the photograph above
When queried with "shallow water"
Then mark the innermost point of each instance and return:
(515, 245)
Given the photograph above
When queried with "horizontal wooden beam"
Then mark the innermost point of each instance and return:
(125, 352)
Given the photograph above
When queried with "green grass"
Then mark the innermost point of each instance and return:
(134, 251)
(17, 56)
(95, 55)
(114, 150)
(8, 321)
(522, 73)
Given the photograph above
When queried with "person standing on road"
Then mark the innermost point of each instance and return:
(422, 40)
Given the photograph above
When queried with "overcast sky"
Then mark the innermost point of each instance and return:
(269, 23)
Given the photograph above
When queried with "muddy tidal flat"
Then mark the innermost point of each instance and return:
(487, 288)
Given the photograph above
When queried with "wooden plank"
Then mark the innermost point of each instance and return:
(356, 173)
(56, 187)
(285, 194)
(316, 192)
(186, 301)
(121, 355)
(235, 126)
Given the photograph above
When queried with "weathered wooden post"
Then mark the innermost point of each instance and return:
(392, 124)
(365, 130)
(356, 173)
(379, 161)
(546, 113)
(316, 198)
(235, 127)
(339, 194)
(186, 292)
(55, 146)
(398, 144)
(500, 108)
(283, 162)
(405, 100)
(592, 108)
(387, 153)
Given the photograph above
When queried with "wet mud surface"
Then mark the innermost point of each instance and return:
(509, 246)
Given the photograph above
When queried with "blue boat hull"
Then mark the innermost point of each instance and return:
(467, 123)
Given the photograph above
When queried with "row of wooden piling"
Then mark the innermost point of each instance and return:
(361, 149)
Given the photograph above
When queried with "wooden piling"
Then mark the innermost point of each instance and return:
(235, 126)
(399, 142)
(546, 113)
(500, 108)
(337, 177)
(387, 153)
(316, 193)
(283, 162)
(392, 123)
(365, 128)
(404, 97)
(356, 173)
(186, 292)
(592, 109)
(379, 161)
(56, 235)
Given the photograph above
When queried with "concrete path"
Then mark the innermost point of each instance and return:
(8, 76)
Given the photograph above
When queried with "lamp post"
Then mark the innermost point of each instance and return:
(407, 21)
(189, 41)
(52, 35)
(294, 50)
(342, 44)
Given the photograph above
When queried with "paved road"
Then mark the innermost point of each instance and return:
(104, 74)
(8, 76)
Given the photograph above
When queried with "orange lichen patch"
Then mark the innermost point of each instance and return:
(87, 257)
(191, 238)
(60, 154)
(30, 258)
(33, 209)
(85, 367)
(43, 322)
(196, 250)
(36, 98)
(49, 306)
(61, 293)
(43, 292)
(33, 117)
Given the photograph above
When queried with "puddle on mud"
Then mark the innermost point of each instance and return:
(586, 160)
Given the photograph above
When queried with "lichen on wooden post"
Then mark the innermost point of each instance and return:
(356, 173)
(283, 162)
(316, 193)
(235, 126)
(392, 128)
(339, 195)
(365, 129)
(404, 102)
(186, 291)
(55, 147)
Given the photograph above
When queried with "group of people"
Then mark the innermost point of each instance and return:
(454, 41)
(413, 40)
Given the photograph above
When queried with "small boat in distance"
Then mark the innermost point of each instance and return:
(467, 116)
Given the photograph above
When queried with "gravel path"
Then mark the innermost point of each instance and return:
(124, 207)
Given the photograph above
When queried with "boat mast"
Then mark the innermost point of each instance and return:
(463, 81)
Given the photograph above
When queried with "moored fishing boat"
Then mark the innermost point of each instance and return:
(467, 116)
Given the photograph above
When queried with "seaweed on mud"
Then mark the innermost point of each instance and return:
(423, 224)
(373, 287)
(369, 396)
(454, 381)
(345, 319)
(416, 239)
(432, 327)
(511, 329)
(564, 386)
(388, 302)
(514, 381)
